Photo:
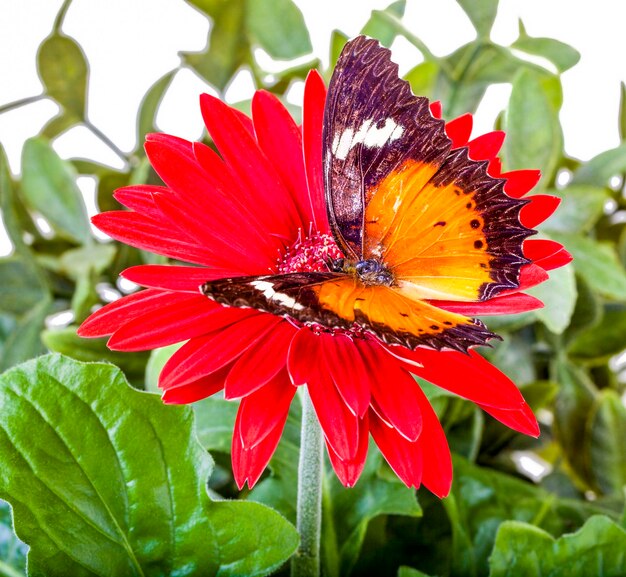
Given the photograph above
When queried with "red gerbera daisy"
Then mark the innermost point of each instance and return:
(258, 208)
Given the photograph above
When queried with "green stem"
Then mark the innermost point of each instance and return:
(104, 138)
(58, 21)
(22, 102)
(306, 561)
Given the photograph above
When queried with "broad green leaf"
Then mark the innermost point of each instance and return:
(532, 125)
(49, 187)
(379, 28)
(562, 55)
(481, 499)
(588, 310)
(573, 404)
(278, 27)
(12, 550)
(600, 169)
(482, 14)
(351, 511)
(622, 110)
(604, 340)
(63, 69)
(67, 342)
(410, 572)
(227, 46)
(423, 78)
(21, 288)
(337, 41)
(514, 357)
(558, 295)
(156, 362)
(149, 108)
(597, 263)
(215, 421)
(79, 261)
(581, 207)
(598, 548)
(59, 124)
(120, 488)
(605, 443)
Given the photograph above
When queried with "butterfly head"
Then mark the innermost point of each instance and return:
(369, 272)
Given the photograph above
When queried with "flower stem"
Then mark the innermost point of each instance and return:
(306, 561)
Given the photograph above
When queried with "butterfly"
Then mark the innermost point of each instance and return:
(416, 221)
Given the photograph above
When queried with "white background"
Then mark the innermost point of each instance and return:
(131, 43)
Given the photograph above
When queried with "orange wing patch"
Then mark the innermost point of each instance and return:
(396, 318)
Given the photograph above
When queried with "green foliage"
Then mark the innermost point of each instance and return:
(125, 475)
(93, 469)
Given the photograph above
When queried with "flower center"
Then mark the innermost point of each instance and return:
(311, 254)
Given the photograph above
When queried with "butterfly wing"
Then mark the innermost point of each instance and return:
(338, 301)
(373, 125)
(397, 192)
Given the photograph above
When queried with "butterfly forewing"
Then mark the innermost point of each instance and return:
(373, 125)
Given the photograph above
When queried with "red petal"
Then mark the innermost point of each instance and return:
(259, 364)
(312, 123)
(459, 130)
(522, 419)
(346, 367)
(196, 390)
(249, 464)
(108, 319)
(212, 230)
(404, 457)
(302, 357)
(495, 168)
(437, 474)
(530, 275)
(175, 321)
(251, 167)
(501, 305)
(262, 411)
(340, 426)
(139, 198)
(349, 471)
(155, 236)
(468, 375)
(280, 139)
(435, 109)
(540, 207)
(174, 278)
(547, 254)
(519, 182)
(487, 146)
(395, 390)
(205, 355)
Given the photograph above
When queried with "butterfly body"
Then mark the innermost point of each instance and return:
(413, 220)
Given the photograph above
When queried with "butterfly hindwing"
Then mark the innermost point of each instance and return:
(337, 301)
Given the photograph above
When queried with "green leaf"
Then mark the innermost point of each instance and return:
(21, 288)
(410, 572)
(352, 510)
(120, 488)
(562, 55)
(482, 14)
(337, 41)
(522, 550)
(514, 357)
(149, 107)
(79, 261)
(588, 310)
(9, 209)
(49, 187)
(574, 400)
(215, 421)
(423, 78)
(558, 295)
(605, 443)
(600, 169)
(581, 207)
(59, 124)
(63, 69)
(603, 340)
(278, 27)
(598, 263)
(156, 362)
(380, 28)
(534, 135)
(12, 550)
(67, 342)
(622, 110)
